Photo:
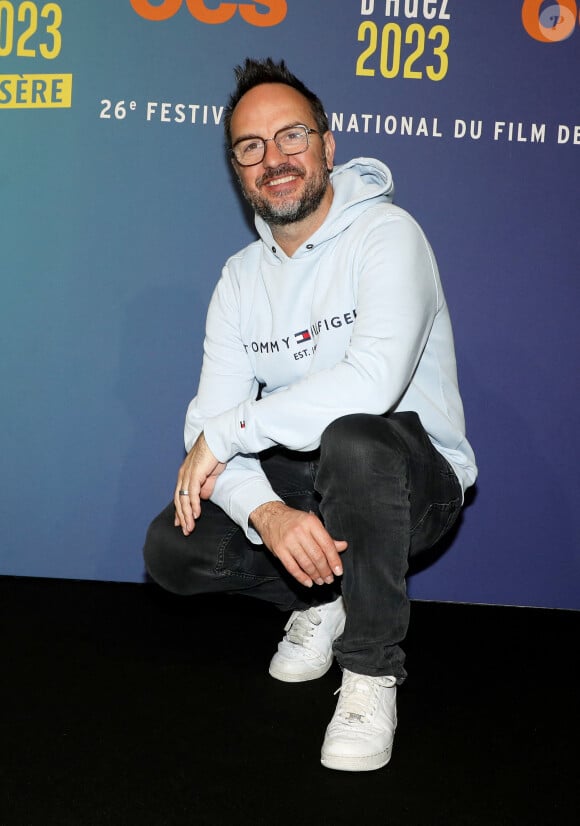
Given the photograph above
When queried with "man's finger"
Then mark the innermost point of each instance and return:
(295, 570)
(311, 561)
(314, 561)
(183, 506)
(330, 548)
(179, 515)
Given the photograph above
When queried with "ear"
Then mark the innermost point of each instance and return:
(329, 149)
(235, 167)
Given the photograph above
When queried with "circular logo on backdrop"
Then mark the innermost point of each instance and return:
(549, 22)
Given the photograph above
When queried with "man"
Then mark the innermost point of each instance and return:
(326, 442)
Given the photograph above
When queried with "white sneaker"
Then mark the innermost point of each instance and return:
(305, 653)
(360, 735)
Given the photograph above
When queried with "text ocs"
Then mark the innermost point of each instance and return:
(273, 11)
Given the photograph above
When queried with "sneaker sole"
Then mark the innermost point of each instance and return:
(302, 677)
(356, 764)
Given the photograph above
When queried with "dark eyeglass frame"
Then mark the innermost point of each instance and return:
(308, 131)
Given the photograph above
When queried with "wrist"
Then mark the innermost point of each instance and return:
(260, 518)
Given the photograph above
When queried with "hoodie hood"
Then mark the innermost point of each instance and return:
(357, 185)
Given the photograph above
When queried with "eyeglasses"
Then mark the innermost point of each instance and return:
(292, 140)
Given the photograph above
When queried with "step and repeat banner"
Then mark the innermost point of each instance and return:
(118, 209)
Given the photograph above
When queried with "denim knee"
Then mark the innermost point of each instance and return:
(164, 562)
(355, 444)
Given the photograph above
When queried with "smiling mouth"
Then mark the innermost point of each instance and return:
(285, 174)
(285, 180)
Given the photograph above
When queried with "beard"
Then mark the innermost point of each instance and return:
(291, 210)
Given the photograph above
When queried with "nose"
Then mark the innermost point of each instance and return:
(272, 155)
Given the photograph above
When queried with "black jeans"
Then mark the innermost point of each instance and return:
(378, 482)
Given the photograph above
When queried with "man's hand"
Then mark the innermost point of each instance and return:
(195, 481)
(300, 541)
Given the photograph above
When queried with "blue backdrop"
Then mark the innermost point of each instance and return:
(118, 211)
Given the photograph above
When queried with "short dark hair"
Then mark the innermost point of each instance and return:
(254, 73)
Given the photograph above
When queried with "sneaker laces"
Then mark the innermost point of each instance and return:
(359, 697)
(302, 625)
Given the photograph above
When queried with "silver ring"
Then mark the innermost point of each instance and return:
(184, 493)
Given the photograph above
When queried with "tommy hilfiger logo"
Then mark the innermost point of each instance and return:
(302, 336)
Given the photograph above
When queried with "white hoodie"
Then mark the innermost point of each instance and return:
(355, 321)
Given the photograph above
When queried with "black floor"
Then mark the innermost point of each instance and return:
(124, 705)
